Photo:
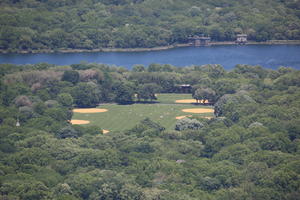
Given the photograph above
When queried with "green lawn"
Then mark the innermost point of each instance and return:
(122, 117)
(171, 98)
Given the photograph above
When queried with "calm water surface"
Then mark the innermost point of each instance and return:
(271, 56)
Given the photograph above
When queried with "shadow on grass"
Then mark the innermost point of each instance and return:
(139, 102)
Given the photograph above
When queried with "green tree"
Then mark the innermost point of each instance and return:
(124, 92)
(186, 123)
(86, 94)
(204, 95)
(148, 91)
(71, 76)
(229, 102)
(65, 99)
(138, 68)
(67, 132)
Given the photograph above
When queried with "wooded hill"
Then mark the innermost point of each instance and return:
(90, 24)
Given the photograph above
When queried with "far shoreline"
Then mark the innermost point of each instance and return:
(161, 48)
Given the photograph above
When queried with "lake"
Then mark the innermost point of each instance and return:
(270, 56)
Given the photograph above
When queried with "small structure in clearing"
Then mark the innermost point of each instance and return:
(184, 88)
(199, 40)
(241, 38)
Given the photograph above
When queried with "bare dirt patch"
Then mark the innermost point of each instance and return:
(198, 110)
(207, 117)
(189, 101)
(89, 110)
(77, 121)
(183, 116)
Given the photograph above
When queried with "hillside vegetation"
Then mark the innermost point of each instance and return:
(250, 150)
(91, 24)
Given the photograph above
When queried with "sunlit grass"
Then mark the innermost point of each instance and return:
(123, 117)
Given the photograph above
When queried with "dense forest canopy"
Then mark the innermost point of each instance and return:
(250, 150)
(92, 24)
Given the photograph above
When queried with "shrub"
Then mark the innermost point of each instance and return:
(186, 123)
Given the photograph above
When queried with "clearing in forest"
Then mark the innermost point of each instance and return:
(123, 117)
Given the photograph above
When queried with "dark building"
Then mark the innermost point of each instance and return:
(199, 40)
(241, 39)
(183, 88)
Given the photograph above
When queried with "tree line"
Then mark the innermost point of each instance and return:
(94, 24)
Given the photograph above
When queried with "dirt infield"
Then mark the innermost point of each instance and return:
(189, 101)
(77, 121)
(198, 110)
(105, 131)
(89, 110)
(207, 117)
(183, 116)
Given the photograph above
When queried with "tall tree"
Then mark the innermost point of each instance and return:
(71, 76)
(204, 95)
(86, 94)
(148, 91)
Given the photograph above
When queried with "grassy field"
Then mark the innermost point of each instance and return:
(122, 117)
(171, 98)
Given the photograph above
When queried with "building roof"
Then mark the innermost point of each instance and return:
(196, 37)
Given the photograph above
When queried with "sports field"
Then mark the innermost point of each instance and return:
(122, 117)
